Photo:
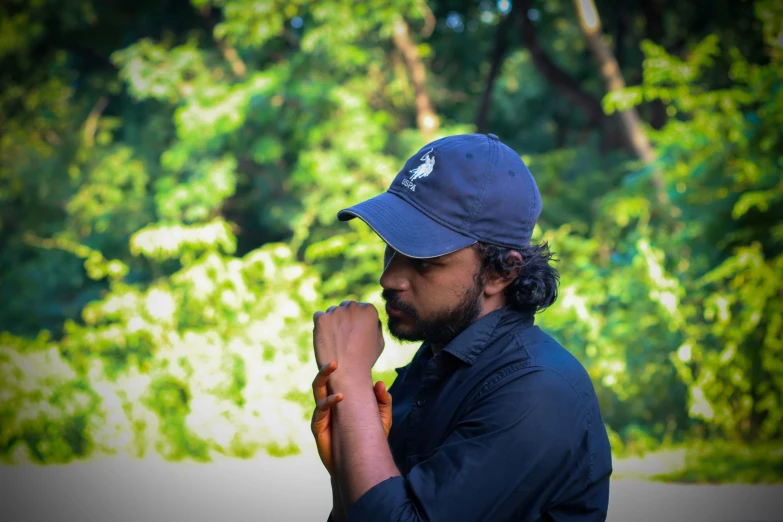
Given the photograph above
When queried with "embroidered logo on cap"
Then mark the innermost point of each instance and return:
(422, 171)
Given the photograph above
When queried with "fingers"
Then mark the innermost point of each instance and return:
(384, 399)
(321, 378)
(318, 314)
(326, 403)
(381, 393)
(322, 410)
(328, 310)
(346, 304)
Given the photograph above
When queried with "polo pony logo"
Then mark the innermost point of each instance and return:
(423, 170)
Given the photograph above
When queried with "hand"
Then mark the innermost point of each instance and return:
(321, 424)
(351, 334)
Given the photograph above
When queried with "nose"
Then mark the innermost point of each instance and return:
(394, 276)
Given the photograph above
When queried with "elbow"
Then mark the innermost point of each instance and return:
(406, 512)
(390, 501)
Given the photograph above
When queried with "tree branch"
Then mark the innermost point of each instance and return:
(229, 53)
(429, 20)
(91, 124)
(570, 88)
(426, 119)
(497, 56)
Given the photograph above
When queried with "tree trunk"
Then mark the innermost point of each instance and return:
(610, 71)
(590, 22)
(561, 81)
(426, 119)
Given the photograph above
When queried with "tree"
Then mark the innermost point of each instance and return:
(171, 175)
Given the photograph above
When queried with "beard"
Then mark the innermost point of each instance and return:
(444, 326)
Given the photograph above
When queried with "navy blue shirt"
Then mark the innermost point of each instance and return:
(502, 424)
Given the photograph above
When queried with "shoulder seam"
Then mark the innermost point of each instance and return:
(498, 376)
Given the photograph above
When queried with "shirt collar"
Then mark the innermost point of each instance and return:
(469, 344)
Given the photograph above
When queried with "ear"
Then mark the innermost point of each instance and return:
(495, 283)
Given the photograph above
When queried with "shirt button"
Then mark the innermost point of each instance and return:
(421, 402)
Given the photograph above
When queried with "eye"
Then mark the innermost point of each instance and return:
(422, 263)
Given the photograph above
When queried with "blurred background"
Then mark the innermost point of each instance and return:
(170, 172)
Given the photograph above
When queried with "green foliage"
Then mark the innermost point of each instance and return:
(718, 463)
(168, 202)
(725, 155)
(46, 404)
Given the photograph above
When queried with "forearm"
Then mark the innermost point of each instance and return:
(362, 457)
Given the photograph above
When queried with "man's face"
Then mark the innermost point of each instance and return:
(434, 299)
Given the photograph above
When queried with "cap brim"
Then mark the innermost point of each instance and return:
(405, 228)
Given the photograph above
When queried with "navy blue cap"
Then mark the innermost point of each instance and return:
(454, 192)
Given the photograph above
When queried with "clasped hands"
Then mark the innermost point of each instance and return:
(347, 340)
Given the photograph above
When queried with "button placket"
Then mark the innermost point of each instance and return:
(432, 376)
(433, 372)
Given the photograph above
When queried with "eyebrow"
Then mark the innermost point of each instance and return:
(440, 260)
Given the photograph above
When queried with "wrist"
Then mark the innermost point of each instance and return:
(346, 377)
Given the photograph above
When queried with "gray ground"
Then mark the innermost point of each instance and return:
(297, 488)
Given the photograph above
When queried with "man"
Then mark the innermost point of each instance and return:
(492, 418)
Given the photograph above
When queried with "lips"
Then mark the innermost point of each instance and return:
(394, 312)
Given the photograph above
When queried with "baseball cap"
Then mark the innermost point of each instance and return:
(454, 192)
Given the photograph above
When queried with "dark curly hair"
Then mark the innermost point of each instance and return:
(535, 288)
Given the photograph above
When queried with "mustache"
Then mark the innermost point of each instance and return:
(393, 300)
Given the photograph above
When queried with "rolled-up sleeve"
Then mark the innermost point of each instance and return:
(507, 456)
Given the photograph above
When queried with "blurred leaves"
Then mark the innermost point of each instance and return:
(168, 205)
